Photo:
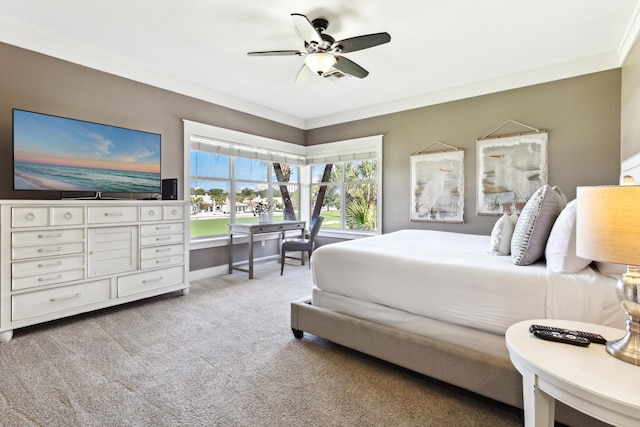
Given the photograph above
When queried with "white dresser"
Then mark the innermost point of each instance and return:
(60, 258)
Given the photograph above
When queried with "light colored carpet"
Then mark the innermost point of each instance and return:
(224, 355)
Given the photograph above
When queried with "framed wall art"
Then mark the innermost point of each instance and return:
(510, 169)
(437, 186)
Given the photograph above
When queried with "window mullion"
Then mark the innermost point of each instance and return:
(232, 190)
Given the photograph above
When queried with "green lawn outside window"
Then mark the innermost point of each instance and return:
(220, 226)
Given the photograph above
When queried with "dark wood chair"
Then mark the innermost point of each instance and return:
(300, 244)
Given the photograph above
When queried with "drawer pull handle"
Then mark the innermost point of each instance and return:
(66, 297)
(163, 250)
(45, 279)
(51, 264)
(157, 279)
(30, 216)
(163, 261)
(152, 213)
(174, 212)
(49, 236)
(68, 215)
(165, 227)
(57, 249)
(159, 239)
(113, 214)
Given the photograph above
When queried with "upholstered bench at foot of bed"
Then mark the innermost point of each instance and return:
(472, 370)
(487, 375)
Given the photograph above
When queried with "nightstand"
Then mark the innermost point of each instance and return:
(586, 378)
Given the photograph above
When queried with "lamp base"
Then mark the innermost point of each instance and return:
(627, 348)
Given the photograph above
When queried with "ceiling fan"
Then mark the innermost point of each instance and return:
(321, 51)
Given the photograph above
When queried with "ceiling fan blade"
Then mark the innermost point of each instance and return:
(362, 42)
(305, 28)
(303, 75)
(276, 53)
(349, 67)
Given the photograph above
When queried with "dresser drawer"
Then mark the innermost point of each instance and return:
(137, 283)
(47, 237)
(173, 212)
(36, 216)
(47, 279)
(47, 265)
(163, 228)
(47, 250)
(161, 262)
(161, 251)
(67, 215)
(151, 213)
(49, 301)
(273, 228)
(111, 214)
(162, 240)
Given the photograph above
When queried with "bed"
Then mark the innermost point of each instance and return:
(439, 303)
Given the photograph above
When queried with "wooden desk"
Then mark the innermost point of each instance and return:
(251, 229)
(586, 378)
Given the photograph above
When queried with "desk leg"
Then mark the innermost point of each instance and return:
(230, 253)
(282, 237)
(302, 254)
(251, 255)
(539, 407)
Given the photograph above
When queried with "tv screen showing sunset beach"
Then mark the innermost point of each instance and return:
(61, 154)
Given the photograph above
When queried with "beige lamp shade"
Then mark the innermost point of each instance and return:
(608, 224)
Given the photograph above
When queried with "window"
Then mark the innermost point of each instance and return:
(214, 206)
(227, 173)
(346, 195)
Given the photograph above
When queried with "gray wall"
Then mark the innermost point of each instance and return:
(630, 100)
(582, 116)
(36, 82)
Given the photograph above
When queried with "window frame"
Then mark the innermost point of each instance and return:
(234, 183)
(342, 185)
(366, 148)
(241, 144)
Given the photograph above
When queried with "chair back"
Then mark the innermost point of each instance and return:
(316, 223)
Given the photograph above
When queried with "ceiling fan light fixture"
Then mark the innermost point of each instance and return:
(319, 62)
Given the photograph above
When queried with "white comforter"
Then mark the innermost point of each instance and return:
(453, 278)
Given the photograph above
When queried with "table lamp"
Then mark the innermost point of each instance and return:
(608, 230)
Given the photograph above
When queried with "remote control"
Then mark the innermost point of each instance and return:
(564, 338)
(594, 338)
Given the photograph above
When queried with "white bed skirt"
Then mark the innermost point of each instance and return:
(476, 339)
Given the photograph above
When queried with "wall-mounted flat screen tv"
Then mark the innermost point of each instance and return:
(53, 153)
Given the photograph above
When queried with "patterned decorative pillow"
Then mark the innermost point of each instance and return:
(561, 245)
(501, 234)
(534, 224)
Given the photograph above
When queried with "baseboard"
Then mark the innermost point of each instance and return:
(204, 273)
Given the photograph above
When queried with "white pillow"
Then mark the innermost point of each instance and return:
(501, 234)
(615, 271)
(561, 245)
(534, 224)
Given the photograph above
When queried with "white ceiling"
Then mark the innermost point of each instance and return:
(439, 50)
